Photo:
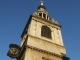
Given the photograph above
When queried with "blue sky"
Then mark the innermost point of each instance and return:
(15, 13)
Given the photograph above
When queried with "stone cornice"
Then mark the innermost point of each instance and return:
(43, 51)
(45, 40)
(53, 23)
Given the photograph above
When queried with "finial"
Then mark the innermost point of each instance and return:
(41, 2)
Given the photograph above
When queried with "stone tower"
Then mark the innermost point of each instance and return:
(41, 38)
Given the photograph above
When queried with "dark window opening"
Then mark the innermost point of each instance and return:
(47, 17)
(46, 32)
(40, 14)
(44, 15)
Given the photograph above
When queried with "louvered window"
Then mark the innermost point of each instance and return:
(46, 32)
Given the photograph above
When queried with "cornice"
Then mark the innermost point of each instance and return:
(45, 40)
(48, 21)
(43, 51)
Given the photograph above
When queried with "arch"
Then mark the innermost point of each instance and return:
(43, 15)
(40, 14)
(46, 31)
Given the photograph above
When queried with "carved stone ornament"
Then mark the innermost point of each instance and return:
(14, 51)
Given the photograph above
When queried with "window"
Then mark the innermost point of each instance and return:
(46, 31)
(47, 17)
(40, 14)
(44, 15)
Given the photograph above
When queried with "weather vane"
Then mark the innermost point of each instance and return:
(41, 2)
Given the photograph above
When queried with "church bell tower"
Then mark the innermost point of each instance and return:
(41, 38)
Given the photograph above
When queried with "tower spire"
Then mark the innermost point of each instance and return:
(41, 2)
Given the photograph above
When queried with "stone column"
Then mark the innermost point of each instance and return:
(53, 35)
(61, 41)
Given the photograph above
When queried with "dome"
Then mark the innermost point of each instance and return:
(41, 11)
(42, 6)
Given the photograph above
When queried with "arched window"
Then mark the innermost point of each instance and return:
(46, 31)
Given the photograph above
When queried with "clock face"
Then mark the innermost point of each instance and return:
(14, 51)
